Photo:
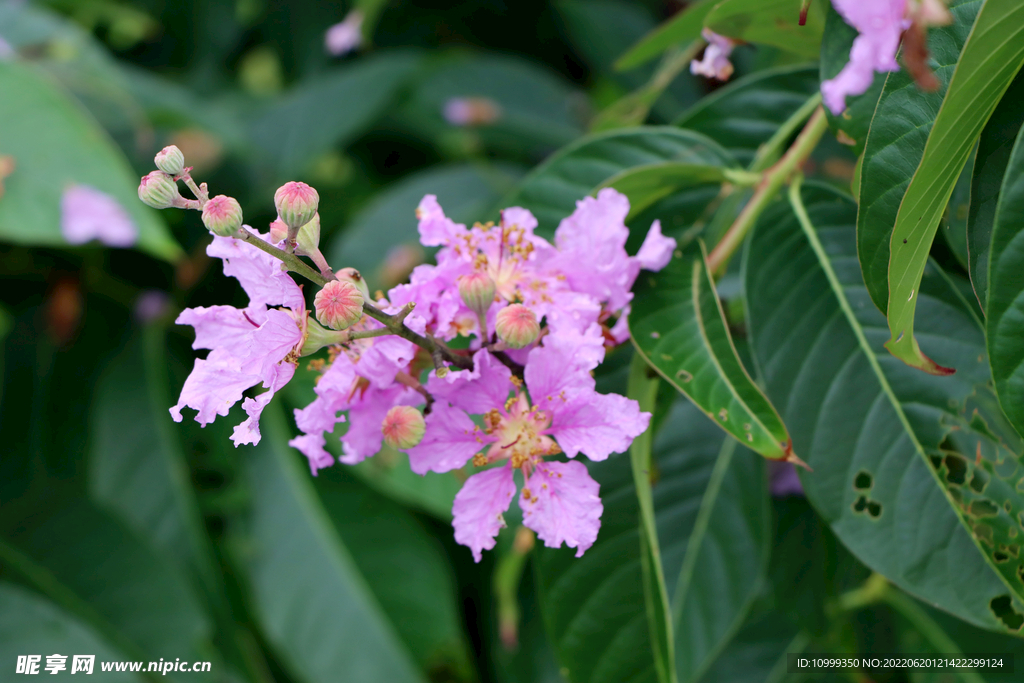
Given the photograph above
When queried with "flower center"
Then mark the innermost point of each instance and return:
(520, 431)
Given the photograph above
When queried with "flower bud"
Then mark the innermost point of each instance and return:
(517, 326)
(338, 305)
(477, 291)
(159, 191)
(296, 203)
(222, 216)
(307, 242)
(278, 231)
(170, 160)
(352, 275)
(403, 427)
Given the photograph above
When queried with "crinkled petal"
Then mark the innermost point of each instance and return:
(594, 424)
(561, 367)
(476, 391)
(88, 214)
(479, 508)
(222, 326)
(450, 440)
(435, 228)
(269, 344)
(560, 503)
(259, 273)
(385, 358)
(214, 385)
(312, 446)
(656, 251)
(249, 430)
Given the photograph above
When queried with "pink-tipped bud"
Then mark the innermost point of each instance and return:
(477, 291)
(159, 190)
(222, 215)
(338, 305)
(170, 160)
(296, 203)
(403, 427)
(517, 326)
(355, 277)
(307, 241)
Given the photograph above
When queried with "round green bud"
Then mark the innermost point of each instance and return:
(159, 190)
(296, 203)
(222, 216)
(170, 160)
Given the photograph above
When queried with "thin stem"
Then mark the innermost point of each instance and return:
(773, 179)
(770, 151)
(367, 334)
(201, 193)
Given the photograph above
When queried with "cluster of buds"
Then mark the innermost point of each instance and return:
(536, 319)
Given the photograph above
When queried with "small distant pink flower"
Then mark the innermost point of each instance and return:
(471, 111)
(715, 63)
(151, 304)
(783, 479)
(345, 36)
(88, 214)
(880, 24)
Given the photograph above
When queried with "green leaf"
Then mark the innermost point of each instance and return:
(31, 625)
(465, 192)
(593, 606)
(312, 604)
(990, 59)
(54, 145)
(955, 229)
(992, 157)
(329, 111)
(906, 465)
(679, 327)
(746, 113)
(386, 541)
(835, 54)
(895, 145)
(770, 22)
(552, 189)
(1003, 325)
(646, 185)
(87, 561)
(683, 27)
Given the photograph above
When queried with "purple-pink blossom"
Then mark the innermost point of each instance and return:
(88, 214)
(715, 62)
(880, 24)
(346, 35)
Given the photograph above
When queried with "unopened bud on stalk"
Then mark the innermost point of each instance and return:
(403, 427)
(517, 326)
(338, 305)
(296, 204)
(222, 216)
(307, 242)
(159, 190)
(477, 291)
(170, 160)
(352, 275)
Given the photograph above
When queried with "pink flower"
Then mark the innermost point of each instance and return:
(88, 214)
(880, 24)
(345, 36)
(559, 411)
(715, 63)
(251, 346)
(471, 111)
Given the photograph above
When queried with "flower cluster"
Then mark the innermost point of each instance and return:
(514, 394)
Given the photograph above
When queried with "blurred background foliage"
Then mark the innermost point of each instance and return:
(126, 536)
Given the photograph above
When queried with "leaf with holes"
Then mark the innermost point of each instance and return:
(710, 509)
(679, 327)
(988, 63)
(746, 113)
(895, 144)
(770, 22)
(912, 471)
(1004, 324)
(994, 147)
(553, 188)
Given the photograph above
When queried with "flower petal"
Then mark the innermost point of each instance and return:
(249, 430)
(560, 503)
(259, 273)
(214, 385)
(450, 441)
(479, 506)
(87, 214)
(656, 251)
(476, 391)
(225, 326)
(596, 425)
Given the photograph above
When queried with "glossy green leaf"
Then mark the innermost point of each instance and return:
(329, 111)
(895, 145)
(746, 113)
(683, 27)
(713, 534)
(552, 189)
(31, 625)
(988, 63)
(71, 550)
(313, 605)
(911, 471)
(646, 185)
(835, 53)
(1004, 324)
(954, 228)
(679, 327)
(770, 22)
(465, 192)
(993, 155)
(54, 145)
